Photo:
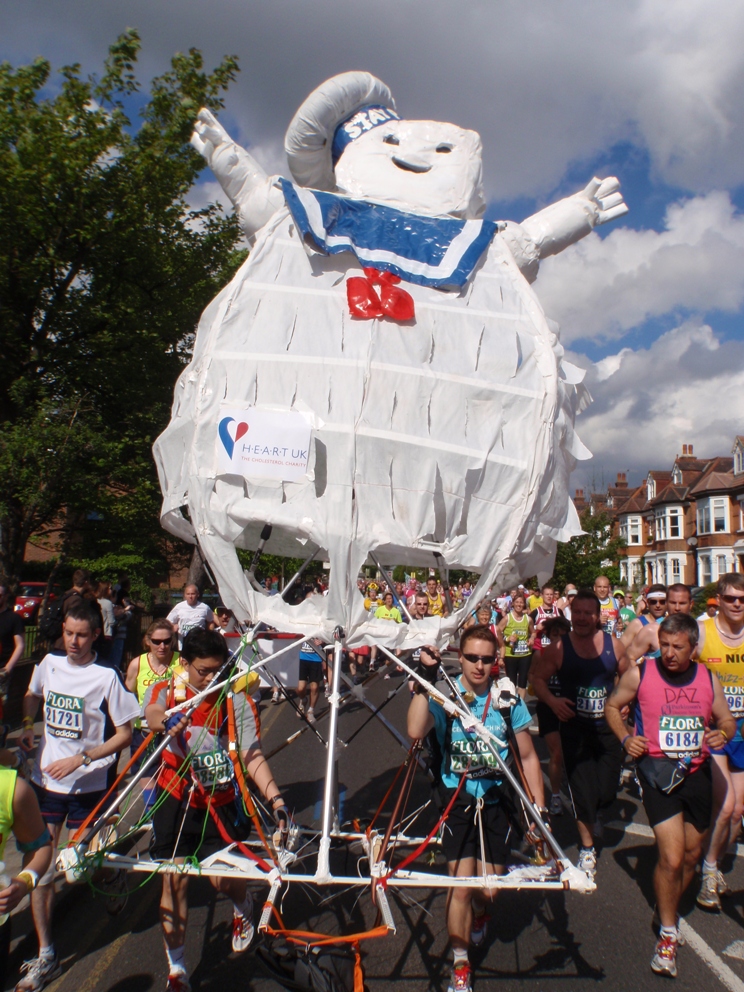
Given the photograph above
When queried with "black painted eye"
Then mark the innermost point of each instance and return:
(444, 148)
(390, 139)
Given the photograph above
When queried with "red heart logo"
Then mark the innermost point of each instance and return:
(240, 430)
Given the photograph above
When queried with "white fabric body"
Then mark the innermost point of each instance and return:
(76, 701)
(453, 435)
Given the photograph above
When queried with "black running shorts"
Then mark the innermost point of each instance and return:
(593, 759)
(461, 833)
(181, 831)
(693, 799)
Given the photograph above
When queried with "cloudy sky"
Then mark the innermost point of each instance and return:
(647, 90)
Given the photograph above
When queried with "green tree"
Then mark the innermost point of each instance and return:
(594, 553)
(104, 271)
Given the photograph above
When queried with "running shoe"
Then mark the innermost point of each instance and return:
(116, 892)
(300, 708)
(712, 887)
(276, 696)
(39, 973)
(556, 806)
(664, 961)
(310, 715)
(588, 862)
(478, 929)
(178, 981)
(461, 978)
(243, 932)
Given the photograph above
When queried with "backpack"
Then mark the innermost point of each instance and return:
(50, 624)
(309, 969)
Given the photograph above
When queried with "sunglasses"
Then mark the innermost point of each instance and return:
(658, 600)
(733, 599)
(487, 659)
(168, 640)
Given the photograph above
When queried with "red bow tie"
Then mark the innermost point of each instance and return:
(366, 303)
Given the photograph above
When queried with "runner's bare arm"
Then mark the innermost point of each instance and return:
(725, 723)
(65, 766)
(132, 672)
(630, 631)
(258, 768)
(30, 709)
(639, 645)
(620, 655)
(545, 664)
(531, 765)
(622, 695)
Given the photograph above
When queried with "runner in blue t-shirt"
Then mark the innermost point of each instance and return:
(479, 810)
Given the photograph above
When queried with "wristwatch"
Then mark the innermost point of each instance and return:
(87, 760)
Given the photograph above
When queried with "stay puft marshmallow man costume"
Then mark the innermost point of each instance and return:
(448, 431)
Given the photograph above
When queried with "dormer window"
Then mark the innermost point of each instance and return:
(738, 459)
(650, 488)
(676, 476)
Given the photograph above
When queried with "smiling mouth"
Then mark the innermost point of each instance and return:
(409, 167)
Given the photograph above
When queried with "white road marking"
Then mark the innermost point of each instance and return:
(719, 968)
(735, 950)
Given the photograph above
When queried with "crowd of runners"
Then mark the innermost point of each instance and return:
(613, 682)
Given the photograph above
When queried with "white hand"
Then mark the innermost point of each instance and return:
(606, 199)
(208, 133)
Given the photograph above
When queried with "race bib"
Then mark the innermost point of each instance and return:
(735, 698)
(63, 715)
(522, 646)
(472, 753)
(590, 701)
(681, 736)
(213, 769)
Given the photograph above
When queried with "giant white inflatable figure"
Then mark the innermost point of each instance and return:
(378, 376)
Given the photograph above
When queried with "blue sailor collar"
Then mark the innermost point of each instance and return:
(440, 252)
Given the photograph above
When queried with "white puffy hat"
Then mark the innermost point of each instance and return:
(310, 135)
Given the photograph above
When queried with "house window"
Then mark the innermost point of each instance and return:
(676, 570)
(650, 488)
(705, 573)
(738, 461)
(677, 476)
(661, 528)
(634, 530)
(675, 527)
(721, 565)
(712, 516)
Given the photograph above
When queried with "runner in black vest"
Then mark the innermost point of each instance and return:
(585, 662)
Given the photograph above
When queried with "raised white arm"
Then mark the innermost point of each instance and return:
(569, 220)
(561, 224)
(250, 190)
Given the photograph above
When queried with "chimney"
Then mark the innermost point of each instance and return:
(684, 449)
(579, 494)
(621, 481)
(689, 449)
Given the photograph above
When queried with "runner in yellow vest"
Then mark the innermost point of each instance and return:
(721, 649)
(518, 633)
(19, 815)
(157, 663)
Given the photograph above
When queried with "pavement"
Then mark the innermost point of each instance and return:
(541, 941)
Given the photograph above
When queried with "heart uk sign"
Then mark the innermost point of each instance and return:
(263, 444)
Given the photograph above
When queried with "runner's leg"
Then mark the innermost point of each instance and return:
(670, 867)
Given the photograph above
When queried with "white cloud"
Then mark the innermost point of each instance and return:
(545, 83)
(602, 287)
(685, 388)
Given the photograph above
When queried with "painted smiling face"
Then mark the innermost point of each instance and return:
(425, 167)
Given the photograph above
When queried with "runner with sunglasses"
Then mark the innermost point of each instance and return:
(479, 809)
(156, 663)
(645, 644)
(721, 649)
(656, 609)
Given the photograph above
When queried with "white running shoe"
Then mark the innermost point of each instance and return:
(310, 715)
(39, 973)
(588, 862)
